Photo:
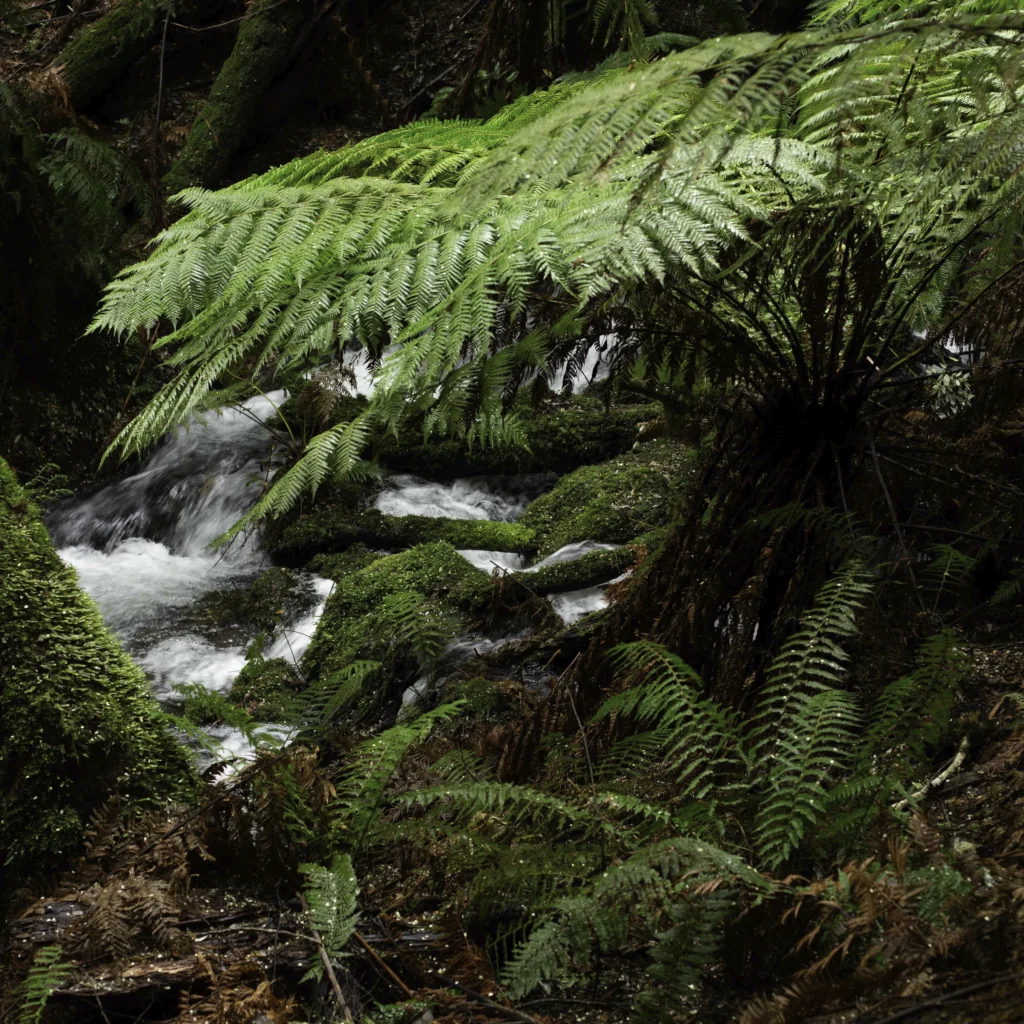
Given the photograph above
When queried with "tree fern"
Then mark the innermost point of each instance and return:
(878, 161)
(45, 976)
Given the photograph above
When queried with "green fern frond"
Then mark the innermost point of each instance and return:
(702, 738)
(371, 766)
(47, 973)
(331, 895)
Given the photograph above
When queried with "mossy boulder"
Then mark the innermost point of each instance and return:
(79, 721)
(611, 502)
(356, 622)
(334, 528)
(266, 688)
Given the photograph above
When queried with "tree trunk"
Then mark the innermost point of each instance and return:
(268, 41)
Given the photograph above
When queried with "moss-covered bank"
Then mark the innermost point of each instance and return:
(333, 528)
(78, 721)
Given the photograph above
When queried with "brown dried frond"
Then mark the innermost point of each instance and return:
(126, 914)
(240, 992)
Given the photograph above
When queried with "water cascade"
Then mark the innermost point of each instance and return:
(141, 546)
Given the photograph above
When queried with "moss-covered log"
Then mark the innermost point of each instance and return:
(98, 55)
(105, 49)
(78, 720)
(269, 39)
(586, 571)
(557, 441)
(331, 529)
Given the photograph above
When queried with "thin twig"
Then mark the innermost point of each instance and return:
(952, 769)
(406, 991)
(160, 92)
(326, 961)
(913, 1011)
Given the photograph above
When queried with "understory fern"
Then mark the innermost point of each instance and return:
(331, 895)
(47, 973)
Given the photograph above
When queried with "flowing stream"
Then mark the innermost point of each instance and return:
(141, 547)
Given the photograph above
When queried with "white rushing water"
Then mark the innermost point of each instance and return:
(141, 547)
(498, 498)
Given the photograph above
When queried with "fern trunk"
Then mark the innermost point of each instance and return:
(268, 42)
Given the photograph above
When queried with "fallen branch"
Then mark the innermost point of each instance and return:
(952, 769)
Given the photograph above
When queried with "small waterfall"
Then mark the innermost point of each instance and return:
(141, 545)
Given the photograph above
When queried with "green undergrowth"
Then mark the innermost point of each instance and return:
(79, 723)
(266, 688)
(611, 502)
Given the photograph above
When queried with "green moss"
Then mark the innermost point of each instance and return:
(483, 697)
(587, 571)
(611, 502)
(266, 688)
(79, 722)
(275, 595)
(341, 563)
(331, 528)
(354, 623)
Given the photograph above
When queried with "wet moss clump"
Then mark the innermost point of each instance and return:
(611, 502)
(340, 563)
(276, 595)
(356, 622)
(334, 528)
(79, 721)
(266, 688)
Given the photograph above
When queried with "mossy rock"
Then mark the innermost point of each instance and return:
(354, 622)
(79, 720)
(266, 689)
(275, 595)
(611, 502)
(333, 528)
